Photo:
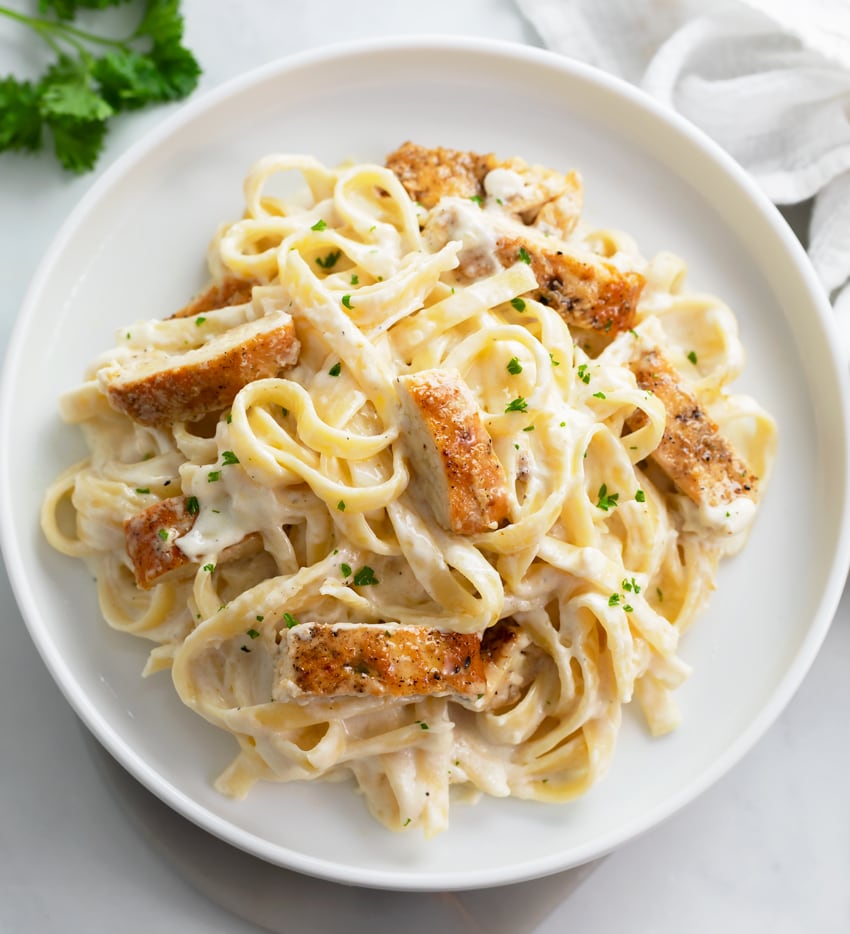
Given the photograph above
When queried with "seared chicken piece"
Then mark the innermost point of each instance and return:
(585, 290)
(431, 174)
(159, 389)
(452, 452)
(526, 191)
(692, 452)
(221, 295)
(151, 541)
(383, 660)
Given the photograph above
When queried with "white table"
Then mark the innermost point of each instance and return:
(83, 847)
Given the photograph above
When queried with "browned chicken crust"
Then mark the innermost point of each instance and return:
(151, 540)
(552, 198)
(231, 291)
(151, 536)
(692, 452)
(381, 660)
(452, 452)
(184, 387)
(586, 291)
(431, 174)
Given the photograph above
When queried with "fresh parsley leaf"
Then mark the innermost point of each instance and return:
(319, 225)
(77, 143)
(365, 576)
(517, 405)
(345, 569)
(228, 457)
(336, 369)
(328, 261)
(68, 90)
(607, 500)
(514, 366)
(20, 116)
(523, 256)
(518, 303)
(290, 620)
(193, 507)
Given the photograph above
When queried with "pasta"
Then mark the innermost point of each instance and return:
(425, 488)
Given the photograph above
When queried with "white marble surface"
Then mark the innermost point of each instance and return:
(82, 845)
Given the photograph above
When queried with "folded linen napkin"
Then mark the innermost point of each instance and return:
(767, 79)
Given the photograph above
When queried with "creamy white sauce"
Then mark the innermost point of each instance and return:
(505, 184)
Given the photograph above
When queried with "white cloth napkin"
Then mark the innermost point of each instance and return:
(767, 79)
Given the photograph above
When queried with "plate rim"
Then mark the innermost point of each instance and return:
(75, 695)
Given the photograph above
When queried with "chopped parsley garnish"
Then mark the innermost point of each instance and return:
(628, 608)
(640, 496)
(630, 584)
(199, 320)
(346, 570)
(346, 300)
(528, 428)
(336, 369)
(423, 725)
(319, 225)
(518, 303)
(290, 620)
(260, 619)
(163, 534)
(209, 568)
(607, 500)
(583, 375)
(341, 505)
(517, 405)
(523, 256)
(253, 634)
(599, 395)
(213, 476)
(329, 261)
(193, 507)
(229, 458)
(614, 600)
(365, 576)
(477, 199)
(554, 361)
(284, 411)
(228, 418)
(693, 357)
(141, 490)
(355, 279)
(514, 366)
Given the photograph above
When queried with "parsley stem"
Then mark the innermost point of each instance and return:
(46, 26)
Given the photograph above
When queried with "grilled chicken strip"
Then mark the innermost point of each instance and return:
(692, 452)
(346, 659)
(231, 291)
(586, 290)
(452, 452)
(151, 541)
(532, 193)
(159, 389)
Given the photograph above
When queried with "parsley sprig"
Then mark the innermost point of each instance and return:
(93, 78)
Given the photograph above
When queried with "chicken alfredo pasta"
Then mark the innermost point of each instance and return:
(424, 488)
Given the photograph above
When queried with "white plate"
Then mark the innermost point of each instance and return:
(135, 247)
